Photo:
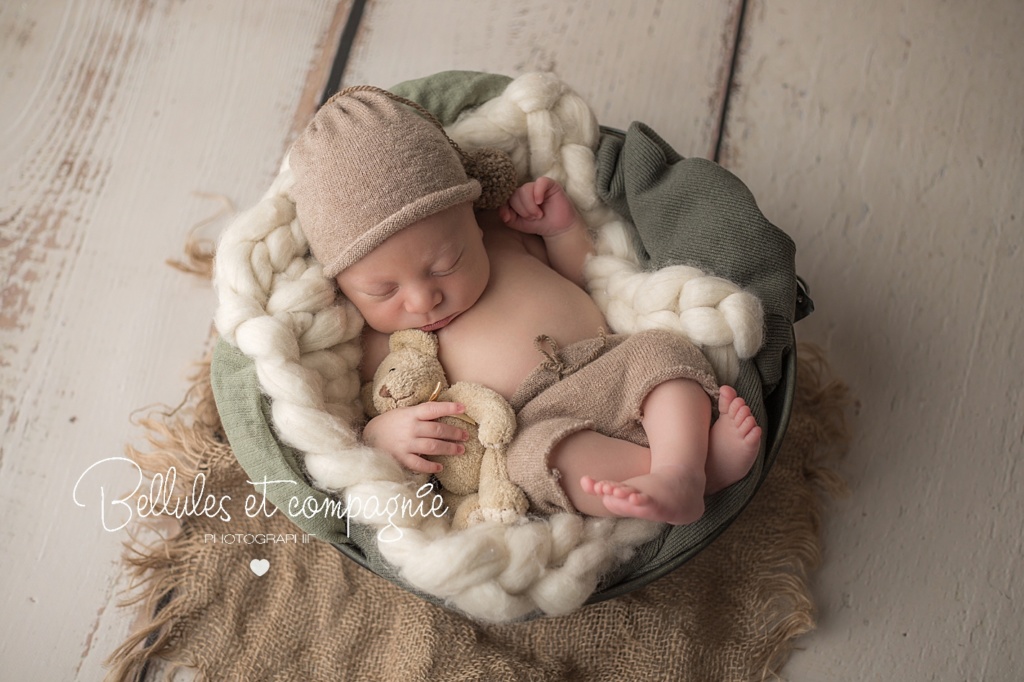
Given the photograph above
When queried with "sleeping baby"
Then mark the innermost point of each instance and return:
(609, 425)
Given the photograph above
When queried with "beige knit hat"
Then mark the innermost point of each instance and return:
(372, 163)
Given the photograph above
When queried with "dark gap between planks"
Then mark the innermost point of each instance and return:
(733, 64)
(348, 38)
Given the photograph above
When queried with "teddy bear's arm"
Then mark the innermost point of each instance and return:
(500, 499)
(491, 412)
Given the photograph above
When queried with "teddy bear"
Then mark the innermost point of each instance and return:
(475, 484)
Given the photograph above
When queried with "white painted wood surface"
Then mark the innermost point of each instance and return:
(886, 138)
(113, 116)
(665, 63)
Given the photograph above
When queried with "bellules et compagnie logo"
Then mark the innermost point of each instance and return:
(116, 512)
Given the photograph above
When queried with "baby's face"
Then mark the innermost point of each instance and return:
(424, 276)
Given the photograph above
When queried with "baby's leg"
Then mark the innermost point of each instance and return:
(676, 418)
(587, 455)
(686, 461)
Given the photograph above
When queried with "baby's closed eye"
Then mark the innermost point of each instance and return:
(447, 269)
(381, 292)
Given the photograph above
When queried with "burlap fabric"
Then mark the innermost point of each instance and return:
(731, 613)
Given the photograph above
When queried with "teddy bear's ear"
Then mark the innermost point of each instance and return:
(423, 342)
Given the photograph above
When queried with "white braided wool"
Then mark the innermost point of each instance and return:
(276, 306)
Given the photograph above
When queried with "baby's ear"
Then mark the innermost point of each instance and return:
(423, 342)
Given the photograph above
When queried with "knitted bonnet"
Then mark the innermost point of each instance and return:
(371, 163)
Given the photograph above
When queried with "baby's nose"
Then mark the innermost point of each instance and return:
(423, 300)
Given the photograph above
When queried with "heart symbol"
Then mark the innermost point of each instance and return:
(259, 566)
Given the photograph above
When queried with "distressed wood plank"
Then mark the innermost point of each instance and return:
(888, 139)
(665, 63)
(114, 116)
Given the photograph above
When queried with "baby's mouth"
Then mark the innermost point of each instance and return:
(434, 326)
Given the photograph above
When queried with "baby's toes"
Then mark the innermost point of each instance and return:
(623, 491)
(736, 407)
(726, 394)
(640, 499)
(589, 485)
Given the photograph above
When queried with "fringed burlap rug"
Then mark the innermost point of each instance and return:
(732, 613)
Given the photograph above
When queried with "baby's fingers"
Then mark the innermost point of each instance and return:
(434, 447)
(543, 188)
(523, 204)
(440, 431)
(432, 410)
(417, 463)
(428, 446)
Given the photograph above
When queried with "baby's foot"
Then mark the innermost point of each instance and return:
(672, 494)
(733, 443)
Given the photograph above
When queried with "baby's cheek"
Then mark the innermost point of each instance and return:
(376, 318)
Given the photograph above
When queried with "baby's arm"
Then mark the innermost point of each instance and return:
(542, 208)
(407, 433)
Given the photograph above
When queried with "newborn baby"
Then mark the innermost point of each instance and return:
(608, 425)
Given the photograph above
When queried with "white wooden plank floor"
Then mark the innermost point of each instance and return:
(888, 138)
(669, 61)
(885, 137)
(113, 116)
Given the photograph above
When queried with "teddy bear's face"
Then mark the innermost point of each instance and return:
(406, 377)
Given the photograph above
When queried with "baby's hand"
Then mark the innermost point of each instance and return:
(406, 433)
(540, 207)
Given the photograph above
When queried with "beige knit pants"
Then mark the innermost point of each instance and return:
(597, 384)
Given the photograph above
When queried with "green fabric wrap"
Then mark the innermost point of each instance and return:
(694, 212)
(685, 211)
(691, 211)
(449, 93)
